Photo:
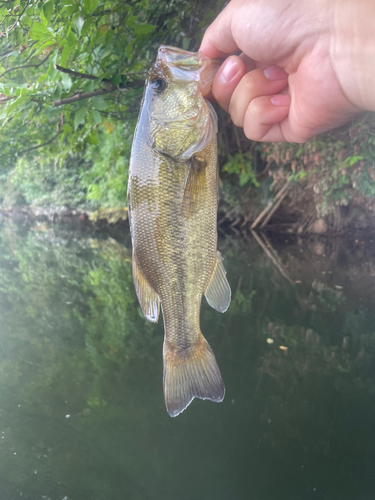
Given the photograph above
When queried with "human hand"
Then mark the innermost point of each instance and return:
(294, 78)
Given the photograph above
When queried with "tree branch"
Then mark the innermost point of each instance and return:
(34, 147)
(86, 76)
(84, 95)
(135, 84)
(19, 17)
(4, 99)
(26, 65)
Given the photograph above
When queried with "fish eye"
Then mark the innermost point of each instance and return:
(158, 84)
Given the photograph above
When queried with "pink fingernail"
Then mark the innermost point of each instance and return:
(280, 100)
(275, 73)
(228, 70)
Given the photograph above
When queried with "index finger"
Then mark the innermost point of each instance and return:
(218, 40)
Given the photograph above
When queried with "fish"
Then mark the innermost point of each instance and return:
(172, 206)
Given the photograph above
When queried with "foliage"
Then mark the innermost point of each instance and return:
(106, 181)
(241, 165)
(45, 182)
(71, 78)
(338, 166)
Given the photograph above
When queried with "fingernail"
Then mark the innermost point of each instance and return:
(275, 73)
(228, 70)
(280, 100)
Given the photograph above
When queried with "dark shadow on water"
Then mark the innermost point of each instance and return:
(82, 414)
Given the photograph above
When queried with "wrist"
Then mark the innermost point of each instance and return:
(353, 50)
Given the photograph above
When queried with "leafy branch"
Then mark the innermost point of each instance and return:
(134, 84)
(4, 99)
(11, 28)
(26, 66)
(84, 95)
(20, 153)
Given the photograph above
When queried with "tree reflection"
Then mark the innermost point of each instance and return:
(81, 404)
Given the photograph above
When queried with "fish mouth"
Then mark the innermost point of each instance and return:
(188, 66)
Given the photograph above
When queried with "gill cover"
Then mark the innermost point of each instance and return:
(182, 122)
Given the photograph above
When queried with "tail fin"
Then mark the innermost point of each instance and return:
(192, 374)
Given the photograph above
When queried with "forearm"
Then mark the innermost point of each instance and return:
(353, 50)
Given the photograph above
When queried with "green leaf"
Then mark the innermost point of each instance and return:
(352, 160)
(57, 93)
(65, 55)
(26, 20)
(99, 103)
(72, 9)
(48, 8)
(79, 117)
(71, 39)
(30, 10)
(39, 32)
(78, 23)
(96, 117)
(43, 18)
(3, 12)
(129, 50)
(67, 128)
(92, 139)
(43, 44)
(89, 6)
(66, 81)
(116, 80)
(131, 22)
(16, 103)
(144, 29)
(86, 26)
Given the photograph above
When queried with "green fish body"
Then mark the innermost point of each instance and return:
(172, 198)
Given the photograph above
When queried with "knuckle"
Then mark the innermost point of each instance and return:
(249, 82)
(235, 118)
(295, 134)
(252, 127)
(250, 131)
(256, 108)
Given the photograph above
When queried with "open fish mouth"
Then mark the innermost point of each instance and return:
(189, 66)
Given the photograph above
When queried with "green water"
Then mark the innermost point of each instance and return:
(82, 414)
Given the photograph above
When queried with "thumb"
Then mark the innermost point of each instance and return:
(227, 79)
(218, 40)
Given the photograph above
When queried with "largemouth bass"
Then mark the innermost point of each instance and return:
(172, 200)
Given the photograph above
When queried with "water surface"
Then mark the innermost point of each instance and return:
(82, 414)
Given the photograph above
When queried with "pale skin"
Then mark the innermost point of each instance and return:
(307, 66)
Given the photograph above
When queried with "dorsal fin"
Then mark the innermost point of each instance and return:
(218, 293)
(148, 298)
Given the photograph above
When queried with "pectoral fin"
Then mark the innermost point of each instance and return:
(148, 298)
(218, 292)
(195, 185)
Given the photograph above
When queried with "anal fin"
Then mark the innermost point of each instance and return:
(218, 293)
(147, 297)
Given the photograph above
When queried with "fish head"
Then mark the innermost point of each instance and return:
(182, 121)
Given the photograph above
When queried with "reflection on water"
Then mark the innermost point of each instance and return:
(81, 406)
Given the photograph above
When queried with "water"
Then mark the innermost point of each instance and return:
(81, 406)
